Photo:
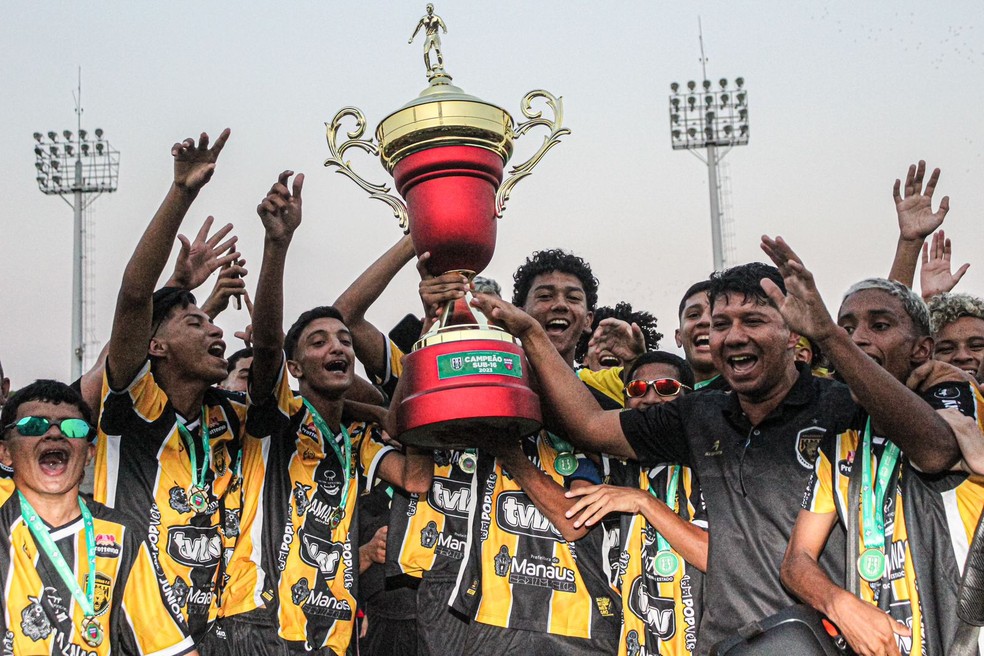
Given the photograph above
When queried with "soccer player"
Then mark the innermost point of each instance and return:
(75, 578)
(886, 613)
(238, 368)
(592, 356)
(958, 330)
(306, 460)
(663, 524)
(753, 449)
(168, 446)
(693, 336)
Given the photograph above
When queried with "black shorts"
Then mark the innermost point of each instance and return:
(248, 635)
(440, 630)
(488, 640)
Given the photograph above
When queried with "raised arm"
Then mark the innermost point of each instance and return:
(582, 419)
(369, 342)
(917, 220)
(906, 419)
(198, 259)
(280, 212)
(935, 276)
(193, 168)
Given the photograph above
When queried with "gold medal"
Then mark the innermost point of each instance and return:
(92, 633)
(198, 499)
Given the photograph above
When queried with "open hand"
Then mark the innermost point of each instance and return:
(194, 165)
(198, 259)
(229, 283)
(596, 501)
(935, 276)
(515, 320)
(801, 306)
(623, 340)
(917, 220)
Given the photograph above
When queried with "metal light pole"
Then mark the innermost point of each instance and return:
(710, 119)
(96, 170)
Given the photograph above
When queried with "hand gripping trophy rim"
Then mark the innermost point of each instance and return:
(382, 191)
(376, 191)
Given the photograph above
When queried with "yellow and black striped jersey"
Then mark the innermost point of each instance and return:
(289, 558)
(6, 483)
(660, 612)
(607, 381)
(428, 533)
(907, 538)
(40, 616)
(143, 470)
(519, 572)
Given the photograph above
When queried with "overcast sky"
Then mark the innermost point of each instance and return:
(843, 96)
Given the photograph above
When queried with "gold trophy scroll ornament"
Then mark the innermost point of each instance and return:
(466, 381)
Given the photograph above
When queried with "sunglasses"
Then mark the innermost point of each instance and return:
(38, 426)
(663, 386)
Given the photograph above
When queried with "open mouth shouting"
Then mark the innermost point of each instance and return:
(337, 366)
(609, 360)
(217, 350)
(53, 457)
(557, 326)
(742, 365)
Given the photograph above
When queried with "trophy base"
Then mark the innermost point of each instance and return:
(466, 387)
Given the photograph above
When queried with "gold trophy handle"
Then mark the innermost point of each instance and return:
(520, 171)
(377, 191)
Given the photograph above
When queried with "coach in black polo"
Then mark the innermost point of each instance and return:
(753, 449)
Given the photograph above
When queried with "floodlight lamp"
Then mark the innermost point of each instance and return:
(692, 132)
(99, 133)
(41, 178)
(56, 179)
(55, 164)
(743, 131)
(69, 150)
(39, 165)
(723, 82)
(675, 118)
(740, 81)
(676, 103)
(85, 149)
(99, 148)
(83, 134)
(709, 131)
(53, 136)
(724, 100)
(38, 151)
(54, 150)
(676, 135)
(709, 116)
(692, 100)
(707, 84)
(743, 114)
(67, 134)
(674, 86)
(691, 85)
(38, 137)
(741, 98)
(708, 100)
(728, 130)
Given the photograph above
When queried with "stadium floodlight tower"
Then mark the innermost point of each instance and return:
(710, 119)
(78, 169)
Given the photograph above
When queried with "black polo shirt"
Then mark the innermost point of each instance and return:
(753, 478)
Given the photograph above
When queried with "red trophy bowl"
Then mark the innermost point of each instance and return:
(465, 382)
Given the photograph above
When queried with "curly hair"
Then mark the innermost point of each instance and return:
(944, 309)
(745, 279)
(622, 310)
(548, 261)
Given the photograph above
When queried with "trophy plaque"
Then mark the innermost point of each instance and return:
(465, 381)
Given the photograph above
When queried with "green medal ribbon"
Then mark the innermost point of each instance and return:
(705, 383)
(872, 563)
(345, 461)
(197, 496)
(565, 463)
(667, 562)
(91, 631)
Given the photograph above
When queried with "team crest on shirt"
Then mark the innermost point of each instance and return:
(230, 522)
(300, 591)
(808, 445)
(34, 622)
(330, 482)
(428, 535)
(502, 561)
(181, 591)
(657, 612)
(179, 499)
(632, 646)
(100, 599)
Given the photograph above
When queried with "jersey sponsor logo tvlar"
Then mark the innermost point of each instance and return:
(657, 612)
(322, 554)
(516, 514)
(450, 497)
(194, 546)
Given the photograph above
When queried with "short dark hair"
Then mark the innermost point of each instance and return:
(684, 372)
(745, 279)
(237, 356)
(166, 299)
(622, 310)
(696, 288)
(549, 261)
(46, 391)
(294, 334)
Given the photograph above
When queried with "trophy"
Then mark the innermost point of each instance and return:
(465, 381)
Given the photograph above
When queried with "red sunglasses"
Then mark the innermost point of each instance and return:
(663, 386)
